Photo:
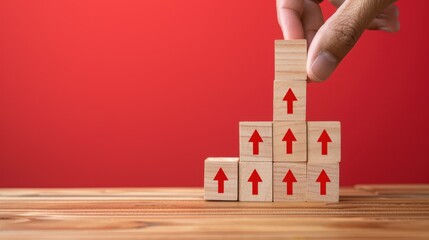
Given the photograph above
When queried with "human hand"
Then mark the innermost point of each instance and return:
(330, 42)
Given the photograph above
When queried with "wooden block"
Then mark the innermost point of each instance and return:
(289, 141)
(323, 182)
(290, 61)
(256, 181)
(256, 141)
(290, 102)
(289, 182)
(324, 141)
(221, 179)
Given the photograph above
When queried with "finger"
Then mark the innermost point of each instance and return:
(386, 20)
(312, 19)
(336, 3)
(289, 14)
(388, 25)
(339, 34)
(391, 11)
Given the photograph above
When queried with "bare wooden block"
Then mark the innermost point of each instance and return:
(221, 179)
(324, 141)
(256, 141)
(323, 182)
(290, 102)
(289, 182)
(290, 59)
(289, 141)
(256, 181)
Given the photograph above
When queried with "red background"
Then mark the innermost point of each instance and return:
(139, 93)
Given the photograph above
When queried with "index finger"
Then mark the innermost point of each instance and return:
(289, 14)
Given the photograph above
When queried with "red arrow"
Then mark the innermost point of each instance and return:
(220, 178)
(256, 139)
(289, 179)
(289, 138)
(324, 139)
(290, 98)
(254, 179)
(323, 179)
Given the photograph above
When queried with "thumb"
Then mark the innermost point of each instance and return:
(339, 34)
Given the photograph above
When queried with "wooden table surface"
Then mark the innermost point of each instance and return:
(390, 211)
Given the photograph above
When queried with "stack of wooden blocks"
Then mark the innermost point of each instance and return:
(289, 159)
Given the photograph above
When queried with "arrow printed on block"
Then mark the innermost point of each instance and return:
(255, 179)
(255, 139)
(289, 179)
(220, 178)
(323, 179)
(324, 139)
(289, 138)
(289, 98)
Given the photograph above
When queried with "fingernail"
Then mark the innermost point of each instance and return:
(323, 66)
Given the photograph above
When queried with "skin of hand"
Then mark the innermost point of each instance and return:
(330, 41)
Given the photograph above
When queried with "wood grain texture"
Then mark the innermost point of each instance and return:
(299, 188)
(229, 167)
(265, 187)
(315, 129)
(265, 130)
(395, 189)
(280, 106)
(298, 151)
(314, 192)
(290, 59)
(181, 213)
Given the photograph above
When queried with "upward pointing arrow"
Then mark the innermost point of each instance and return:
(255, 139)
(289, 138)
(289, 98)
(323, 179)
(220, 178)
(254, 179)
(289, 179)
(324, 139)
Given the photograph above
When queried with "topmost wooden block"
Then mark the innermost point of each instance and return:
(290, 59)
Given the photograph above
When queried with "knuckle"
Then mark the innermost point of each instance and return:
(347, 33)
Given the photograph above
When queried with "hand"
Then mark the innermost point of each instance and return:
(330, 42)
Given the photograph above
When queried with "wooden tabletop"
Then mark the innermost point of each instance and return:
(390, 211)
